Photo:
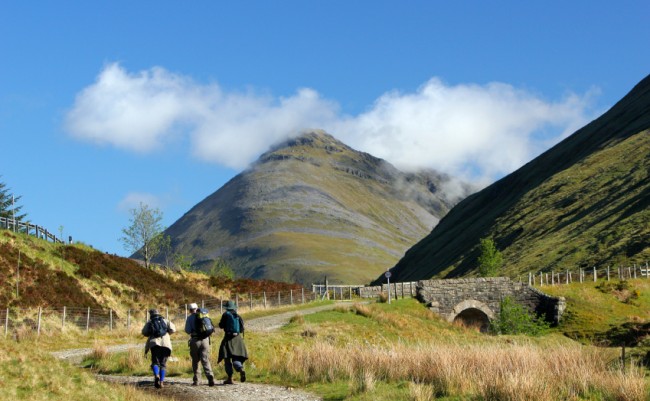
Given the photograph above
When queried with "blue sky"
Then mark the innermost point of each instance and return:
(106, 104)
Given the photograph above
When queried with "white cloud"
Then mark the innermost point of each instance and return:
(475, 132)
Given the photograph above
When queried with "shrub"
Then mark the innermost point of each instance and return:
(515, 319)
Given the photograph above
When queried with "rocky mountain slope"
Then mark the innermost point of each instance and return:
(583, 203)
(313, 207)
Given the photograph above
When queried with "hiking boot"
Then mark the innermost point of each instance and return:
(162, 384)
(210, 381)
(242, 376)
(228, 380)
(156, 381)
(195, 383)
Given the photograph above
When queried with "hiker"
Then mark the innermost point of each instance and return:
(199, 343)
(232, 349)
(158, 330)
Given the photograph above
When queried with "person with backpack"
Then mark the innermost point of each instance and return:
(199, 326)
(159, 343)
(232, 349)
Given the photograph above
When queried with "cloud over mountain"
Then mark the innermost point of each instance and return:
(473, 131)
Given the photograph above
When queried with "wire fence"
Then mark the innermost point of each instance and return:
(541, 278)
(17, 321)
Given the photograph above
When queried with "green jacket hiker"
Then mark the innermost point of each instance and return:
(232, 349)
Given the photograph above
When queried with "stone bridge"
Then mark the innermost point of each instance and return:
(474, 301)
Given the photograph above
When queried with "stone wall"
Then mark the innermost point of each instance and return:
(397, 290)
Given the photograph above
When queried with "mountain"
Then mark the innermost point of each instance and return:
(583, 203)
(313, 207)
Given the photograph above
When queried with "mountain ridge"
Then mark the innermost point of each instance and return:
(312, 207)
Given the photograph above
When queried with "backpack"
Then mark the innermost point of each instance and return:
(158, 326)
(232, 323)
(204, 326)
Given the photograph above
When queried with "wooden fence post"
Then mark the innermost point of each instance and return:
(63, 320)
(567, 276)
(541, 279)
(38, 331)
(291, 296)
(264, 294)
(595, 274)
(607, 272)
(7, 322)
(635, 270)
(110, 320)
(185, 313)
(88, 320)
(530, 281)
(303, 295)
(279, 299)
(237, 300)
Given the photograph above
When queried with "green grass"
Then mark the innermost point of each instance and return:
(29, 373)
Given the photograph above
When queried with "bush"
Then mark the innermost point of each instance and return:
(515, 319)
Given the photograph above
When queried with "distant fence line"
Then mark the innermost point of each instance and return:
(39, 320)
(588, 275)
(29, 229)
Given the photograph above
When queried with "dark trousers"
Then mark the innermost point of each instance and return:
(235, 361)
(159, 356)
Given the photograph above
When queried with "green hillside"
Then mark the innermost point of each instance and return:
(313, 207)
(583, 203)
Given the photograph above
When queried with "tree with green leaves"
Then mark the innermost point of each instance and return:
(9, 207)
(143, 235)
(490, 260)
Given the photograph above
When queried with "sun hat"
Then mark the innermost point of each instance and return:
(230, 305)
(193, 306)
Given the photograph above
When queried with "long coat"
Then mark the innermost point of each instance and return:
(164, 341)
(232, 345)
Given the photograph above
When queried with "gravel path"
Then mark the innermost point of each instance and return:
(180, 389)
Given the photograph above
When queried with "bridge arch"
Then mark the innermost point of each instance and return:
(472, 313)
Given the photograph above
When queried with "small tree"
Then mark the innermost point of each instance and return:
(144, 232)
(8, 204)
(220, 269)
(183, 262)
(490, 260)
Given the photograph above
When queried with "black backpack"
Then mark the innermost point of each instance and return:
(204, 326)
(158, 326)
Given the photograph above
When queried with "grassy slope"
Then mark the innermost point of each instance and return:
(55, 275)
(583, 202)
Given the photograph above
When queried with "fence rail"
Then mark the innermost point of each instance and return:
(29, 229)
(589, 275)
(52, 320)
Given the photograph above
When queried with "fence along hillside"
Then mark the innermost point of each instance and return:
(641, 270)
(19, 321)
(29, 229)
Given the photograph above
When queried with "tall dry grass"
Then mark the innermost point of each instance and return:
(501, 371)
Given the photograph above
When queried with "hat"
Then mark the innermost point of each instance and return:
(193, 306)
(230, 305)
(153, 312)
